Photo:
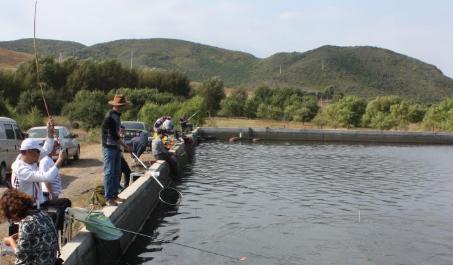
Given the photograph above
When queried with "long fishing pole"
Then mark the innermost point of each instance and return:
(38, 80)
(148, 236)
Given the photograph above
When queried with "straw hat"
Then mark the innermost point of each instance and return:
(118, 100)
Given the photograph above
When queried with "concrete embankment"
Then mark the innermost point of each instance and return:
(328, 135)
(141, 199)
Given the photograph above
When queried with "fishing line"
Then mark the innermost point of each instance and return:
(150, 237)
(38, 80)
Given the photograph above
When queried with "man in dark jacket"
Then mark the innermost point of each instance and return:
(111, 142)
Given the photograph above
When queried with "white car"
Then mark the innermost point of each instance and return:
(10, 139)
(69, 144)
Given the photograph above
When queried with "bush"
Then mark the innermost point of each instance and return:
(378, 113)
(234, 105)
(440, 116)
(150, 112)
(346, 112)
(89, 107)
(170, 82)
(31, 119)
(137, 98)
(196, 108)
(266, 111)
(212, 92)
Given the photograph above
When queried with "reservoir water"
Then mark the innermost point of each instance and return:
(307, 203)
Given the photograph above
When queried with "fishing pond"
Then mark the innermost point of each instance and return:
(306, 203)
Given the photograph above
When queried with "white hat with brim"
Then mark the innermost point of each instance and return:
(29, 144)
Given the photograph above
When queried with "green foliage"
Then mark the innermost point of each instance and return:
(362, 71)
(266, 111)
(440, 116)
(251, 107)
(104, 76)
(4, 111)
(171, 82)
(9, 89)
(234, 105)
(196, 106)
(391, 112)
(33, 98)
(212, 92)
(150, 112)
(377, 114)
(346, 112)
(30, 119)
(138, 97)
(89, 107)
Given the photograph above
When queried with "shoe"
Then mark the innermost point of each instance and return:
(118, 199)
(111, 202)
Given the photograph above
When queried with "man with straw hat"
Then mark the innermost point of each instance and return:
(111, 142)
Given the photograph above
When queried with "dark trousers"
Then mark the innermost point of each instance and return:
(171, 162)
(126, 170)
(56, 209)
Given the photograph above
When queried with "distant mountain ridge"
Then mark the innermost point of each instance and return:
(363, 70)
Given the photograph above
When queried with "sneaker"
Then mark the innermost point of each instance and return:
(111, 202)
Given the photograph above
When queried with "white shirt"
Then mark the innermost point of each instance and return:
(45, 164)
(26, 177)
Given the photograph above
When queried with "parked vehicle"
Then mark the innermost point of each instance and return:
(69, 144)
(10, 139)
(133, 128)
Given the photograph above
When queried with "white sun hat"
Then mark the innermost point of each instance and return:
(30, 143)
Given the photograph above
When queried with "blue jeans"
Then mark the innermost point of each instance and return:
(112, 171)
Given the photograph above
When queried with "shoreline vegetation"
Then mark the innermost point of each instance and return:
(79, 89)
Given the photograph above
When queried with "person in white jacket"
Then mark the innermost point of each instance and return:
(26, 175)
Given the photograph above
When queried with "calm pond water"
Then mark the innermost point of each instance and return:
(308, 203)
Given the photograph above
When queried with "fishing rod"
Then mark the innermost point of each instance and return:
(243, 258)
(163, 190)
(38, 80)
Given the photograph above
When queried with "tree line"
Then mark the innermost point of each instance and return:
(80, 90)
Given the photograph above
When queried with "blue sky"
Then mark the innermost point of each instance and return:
(420, 29)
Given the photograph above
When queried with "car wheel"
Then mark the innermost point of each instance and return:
(3, 174)
(77, 155)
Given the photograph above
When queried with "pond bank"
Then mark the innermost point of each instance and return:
(367, 136)
(141, 199)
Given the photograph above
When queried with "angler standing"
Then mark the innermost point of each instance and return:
(111, 143)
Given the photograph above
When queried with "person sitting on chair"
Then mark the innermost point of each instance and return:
(37, 241)
(161, 153)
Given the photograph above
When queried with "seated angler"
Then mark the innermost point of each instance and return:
(161, 153)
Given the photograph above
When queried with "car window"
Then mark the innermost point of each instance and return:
(37, 133)
(65, 133)
(9, 131)
(2, 132)
(18, 132)
(133, 126)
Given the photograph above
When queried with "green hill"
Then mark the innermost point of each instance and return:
(45, 47)
(364, 71)
(198, 61)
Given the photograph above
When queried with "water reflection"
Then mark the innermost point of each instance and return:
(345, 204)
